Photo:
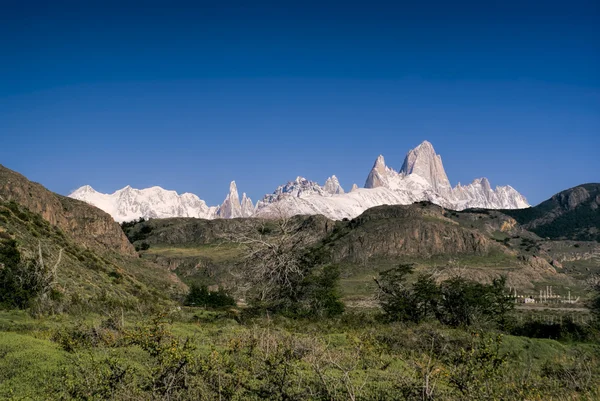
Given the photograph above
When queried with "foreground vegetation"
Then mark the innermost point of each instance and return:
(278, 331)
(209, 355)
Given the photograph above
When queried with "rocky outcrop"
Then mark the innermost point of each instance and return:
(376, 177)
(332, 186)
(86, 224)
(406, 231)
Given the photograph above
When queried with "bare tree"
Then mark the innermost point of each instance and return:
(42, 276)
(272, 256)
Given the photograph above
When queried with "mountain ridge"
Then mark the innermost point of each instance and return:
(421, 178)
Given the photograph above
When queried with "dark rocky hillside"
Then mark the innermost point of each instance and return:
(573, 214)
(98, 266)
(420, 230)
(486, 242)
(89, 225)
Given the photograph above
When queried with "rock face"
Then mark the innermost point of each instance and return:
(424, 162)
(332, 186)
(247, 206)
(422, 177)
(401, 231)
(87, 224)
(231, 206)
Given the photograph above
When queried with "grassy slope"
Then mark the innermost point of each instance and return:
(84, 274)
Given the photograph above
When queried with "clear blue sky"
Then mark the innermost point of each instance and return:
(190, 96)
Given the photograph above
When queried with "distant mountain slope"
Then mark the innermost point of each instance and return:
(571, 214)
(421, 178)
(485, 242)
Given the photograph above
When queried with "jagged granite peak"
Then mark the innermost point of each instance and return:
(421, 178)
(332, 186)
(231, 206)
(378, 172)
(247, 206)
(424, 162)
(300, 187)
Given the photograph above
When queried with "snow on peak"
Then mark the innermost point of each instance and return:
(231, 206)
(247, 206)
(422, 177)
(128, 203)
(379, 163)
(82, 191)
(424, 162)
(332, 186)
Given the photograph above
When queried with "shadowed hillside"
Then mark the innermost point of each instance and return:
(571, 214)
(98, 266)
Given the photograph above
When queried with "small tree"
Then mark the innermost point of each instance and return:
(403, 302)
(25, 282)
(320, 295)
(454, 302)
(279, 273)
(463, 302)
(201, 296)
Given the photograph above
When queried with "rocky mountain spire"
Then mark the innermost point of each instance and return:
(332, 186)
(424, 162)
(247, 206)
(231, 206)
(375, 178)
(354, 188)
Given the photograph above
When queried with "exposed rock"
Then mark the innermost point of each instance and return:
(375, 178)
(332, 186)
(571, 199)
(247, 206)
(87, 224)
(424, 162)
(231, 206)
(539, 263)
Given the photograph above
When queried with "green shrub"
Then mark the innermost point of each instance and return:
(454, 302)
(201, 296)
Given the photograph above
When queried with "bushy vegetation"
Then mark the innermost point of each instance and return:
(25, 282)
(171, 357)
(456, 302)
(291, 339)
(199, 295)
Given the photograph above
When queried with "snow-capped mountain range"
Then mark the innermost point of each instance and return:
(422, 177)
